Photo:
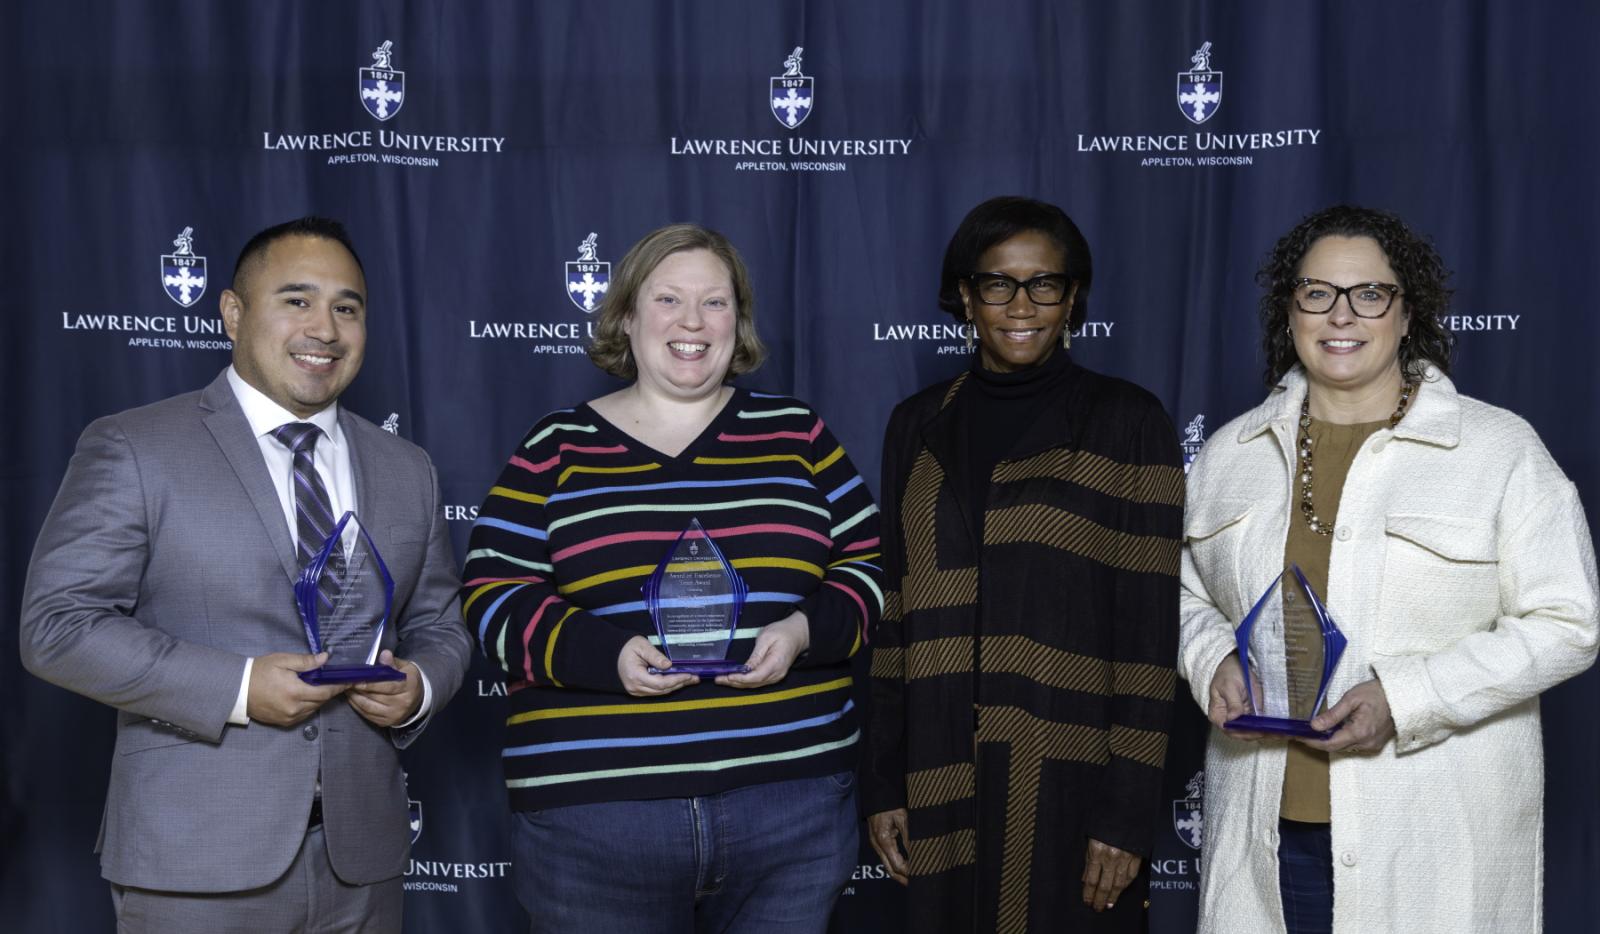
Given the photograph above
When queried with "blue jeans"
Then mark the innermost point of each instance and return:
(768, 858)
(1305, 876)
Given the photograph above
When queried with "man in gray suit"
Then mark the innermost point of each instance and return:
(241, 797)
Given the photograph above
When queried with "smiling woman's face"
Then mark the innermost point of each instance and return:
(683, 327)
(1340, 351)
(1019, 333)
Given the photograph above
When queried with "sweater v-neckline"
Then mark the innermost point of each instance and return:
(689, 451)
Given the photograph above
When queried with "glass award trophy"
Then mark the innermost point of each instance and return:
(694, 597)
(1288, 648)
(344, 603)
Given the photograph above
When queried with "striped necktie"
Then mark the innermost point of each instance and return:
(313, 509)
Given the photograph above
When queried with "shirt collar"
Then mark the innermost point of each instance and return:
(264, 415)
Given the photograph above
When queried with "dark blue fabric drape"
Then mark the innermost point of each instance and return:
(522, 128)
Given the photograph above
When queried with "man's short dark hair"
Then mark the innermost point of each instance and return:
(309, 226)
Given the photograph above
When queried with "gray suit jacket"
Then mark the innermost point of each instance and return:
(166, 561)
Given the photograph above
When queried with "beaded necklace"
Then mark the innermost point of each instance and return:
(1317, 525)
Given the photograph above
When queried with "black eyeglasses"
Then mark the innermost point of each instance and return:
(996, 288)
(1367, 300)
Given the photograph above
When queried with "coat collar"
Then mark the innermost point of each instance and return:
(225, 420)
(1052, 428)
(1434, 416)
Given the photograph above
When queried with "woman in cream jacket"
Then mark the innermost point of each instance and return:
(1457, 562)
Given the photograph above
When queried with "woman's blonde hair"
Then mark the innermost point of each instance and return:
(610, 349)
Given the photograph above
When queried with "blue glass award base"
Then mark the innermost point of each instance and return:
(1250, 723)
(1288, 649)
(351, 674)
(708, 669)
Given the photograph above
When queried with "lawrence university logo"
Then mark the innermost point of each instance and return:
(1200, 88)
(183, 279)
(1194, 438)
(585, 284)
(383, 90)
(792, 92)
(1188, 812)
(587, 276)
(791, 98)
(183, 274)
(1181, 873)
(959, 339)
(437, 875)
(1199, 97)
(414, 811)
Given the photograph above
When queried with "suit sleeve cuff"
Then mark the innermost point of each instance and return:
(424, 708)
(240, 715)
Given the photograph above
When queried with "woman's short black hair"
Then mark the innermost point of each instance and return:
(1415, 262)
(999, 219)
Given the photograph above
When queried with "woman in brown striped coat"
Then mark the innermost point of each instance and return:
(1022, 677)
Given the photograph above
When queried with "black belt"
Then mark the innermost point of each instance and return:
(315, 820)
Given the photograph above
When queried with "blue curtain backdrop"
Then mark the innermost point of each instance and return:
(472, 147)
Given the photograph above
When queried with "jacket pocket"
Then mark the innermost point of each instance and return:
(1441, 582)
(1213, 532)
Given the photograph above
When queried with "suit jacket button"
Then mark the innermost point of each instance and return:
(310, 732)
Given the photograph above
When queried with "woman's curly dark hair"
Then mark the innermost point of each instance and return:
(1422, 278)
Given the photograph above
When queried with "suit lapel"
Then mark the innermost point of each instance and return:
(364, 471)
(231, 431)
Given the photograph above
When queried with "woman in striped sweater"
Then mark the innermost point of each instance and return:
(671, 802)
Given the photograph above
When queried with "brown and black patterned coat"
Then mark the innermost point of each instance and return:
(1022, 688)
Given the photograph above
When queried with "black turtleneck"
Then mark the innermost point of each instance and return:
(997, 408)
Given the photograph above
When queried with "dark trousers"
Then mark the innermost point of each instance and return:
(1305, 876)
(307, 899)
(762, 859)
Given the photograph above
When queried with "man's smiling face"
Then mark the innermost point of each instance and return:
(299, 322)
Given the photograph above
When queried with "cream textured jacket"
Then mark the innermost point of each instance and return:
(1463, 574)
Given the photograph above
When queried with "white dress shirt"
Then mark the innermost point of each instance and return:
(331, 456)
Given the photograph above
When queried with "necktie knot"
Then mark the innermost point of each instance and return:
(297, 435)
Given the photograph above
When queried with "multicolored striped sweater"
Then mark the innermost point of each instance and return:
(580, 517)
